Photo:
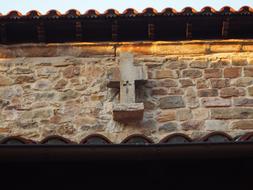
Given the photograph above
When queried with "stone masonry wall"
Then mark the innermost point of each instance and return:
(68, 95)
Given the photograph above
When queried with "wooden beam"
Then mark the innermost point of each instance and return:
(3, 33)
(151, 31)
(188, 30)
(225, 27)
(79, 29)
(115, 30)
(41, 32)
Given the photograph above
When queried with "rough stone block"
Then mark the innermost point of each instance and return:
(232, 113)
(202, 83)
(168, 127)
(201, 64)
(192, 125)
(236, 61)
(244, 102)
(250, 90)
(248, 71)
(184, 114)
(5, 81)
(192, 73)
(215, 102)
(232, 72)
(159, 91)
(216, 125)
(165, 73)
(170, 102)
(207, 92)
(200, 114)
(213, 73)
(186, 82)
(243, 125)
(242, 82)
(220, 83)
(229, 92)
(166, 115)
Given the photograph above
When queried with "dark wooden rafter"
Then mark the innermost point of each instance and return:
(188, 32)
(79, 28)
(115, 28)
(151, 31)
(225, 27)
(3, 33)
(41, 32)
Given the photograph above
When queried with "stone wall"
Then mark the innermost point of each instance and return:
(64, 92)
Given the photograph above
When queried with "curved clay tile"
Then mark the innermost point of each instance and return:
(169, 12)
(208, 11)
(33, 14)
(149, 12)
(176, 138)
(130, 12)
(227, 10)
(14, 15)
(53, 14)
(92, 13)
(187, 11)
(216, 137)
(245, 10)
(95, 139)
(110, 13)
(72, 13)
(137, 139)
(246, 137)
(55, 139)
(16, 141)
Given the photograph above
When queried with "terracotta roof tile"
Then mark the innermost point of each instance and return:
(130, 12)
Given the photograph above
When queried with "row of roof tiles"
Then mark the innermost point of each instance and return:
(187, 11)
(97, 139)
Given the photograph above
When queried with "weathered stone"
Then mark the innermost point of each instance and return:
(60, 84)
(128, 112)
(10, 92)
(242, 124)
(250, 90)
(220, 63)
(186, 82)
(243, 82)
(175, 91)
(149, 105)
(184, 114)
(21, 70)
(71, 71)
(232, 72)
(42, 84)
(27, 124)
(220, 83)
(169, 127)
(207, 92)
(245, 102)
(229, 92)
(4, 103)
(213, 73)
(68, 95)
(159, 91)
(166, 115)
(248, 71)
(24, 79)
(47, 72)
(216, 125)
(191, 98)
(202, 83)
(239, 61)
(232, 113)
(170, 102)
(5, 81)
(201, 64)
(44, 96)
(192, 125)
(192, 73)
(215, 102)
(168, 83)
(176, 65)
(165, 73)
(37, 114)
(200, 114)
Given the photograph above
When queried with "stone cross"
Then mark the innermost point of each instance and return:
(126, 77)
